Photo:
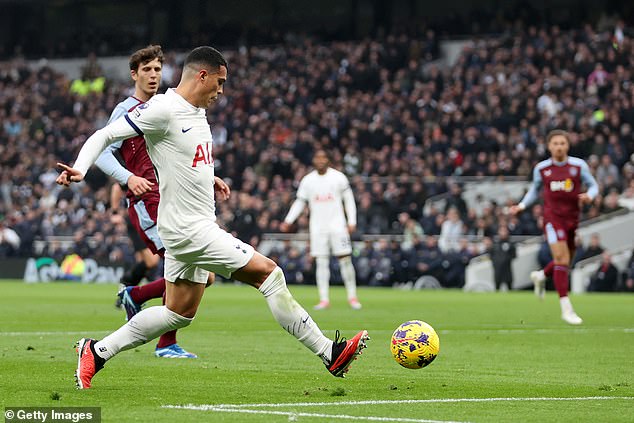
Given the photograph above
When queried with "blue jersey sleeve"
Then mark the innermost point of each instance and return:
(588, 179)
(118, 111)
(109, 164)
(533, 192)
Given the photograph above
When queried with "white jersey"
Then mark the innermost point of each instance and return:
(325, 195)
(178, 139)
(179, 142)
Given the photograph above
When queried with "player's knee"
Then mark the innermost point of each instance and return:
(561, 259)
(274, 283)
(268, 267)
(276, 275)
(177, 320)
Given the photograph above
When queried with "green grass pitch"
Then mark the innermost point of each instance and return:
(504, 357)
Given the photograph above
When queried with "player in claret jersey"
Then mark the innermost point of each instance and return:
(562, 178)
(128, 162)
(179, 142)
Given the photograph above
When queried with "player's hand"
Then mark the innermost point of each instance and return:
(68, 175)
(139, 185)
(584, 199)
(515, 209)
(352, 228)
(116, 219)
(286, 227)
(222, 189)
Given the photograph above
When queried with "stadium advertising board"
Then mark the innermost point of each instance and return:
(71, 268)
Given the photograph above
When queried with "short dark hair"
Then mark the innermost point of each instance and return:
(206, 56)
(557, 132)
(145, 55)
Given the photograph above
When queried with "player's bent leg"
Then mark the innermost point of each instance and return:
(256, 271)
(183, 296)
(167, 346)
(337, 355)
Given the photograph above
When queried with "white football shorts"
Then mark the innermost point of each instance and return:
(213, 250)
(330, 243)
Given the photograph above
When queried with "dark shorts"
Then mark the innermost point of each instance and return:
(143, 218)
(137, 242)
(561, 230)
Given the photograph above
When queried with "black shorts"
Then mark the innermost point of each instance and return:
(137, 242)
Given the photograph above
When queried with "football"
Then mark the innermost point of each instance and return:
(415, 344)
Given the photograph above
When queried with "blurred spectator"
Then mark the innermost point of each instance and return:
(9, 241)
(91, 80)
(399, 258)
(293, 264)
(594, 248)
(611, 203)
(455, 200)
(502, 253)
(425, 259)
(455, 264)
(607, 171)
(451, 231)
(411, 230)
(598, 77)
(606, 278)
(628, 276)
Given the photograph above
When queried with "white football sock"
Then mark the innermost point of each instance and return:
(322, 274)
(291, 316)
(143, 327)
(349, 276)
(566, 305)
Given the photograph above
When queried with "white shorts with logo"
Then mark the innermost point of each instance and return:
(330, 243)
(213, 250)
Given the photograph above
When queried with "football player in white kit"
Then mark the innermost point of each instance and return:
(327, 192)
(179, 142)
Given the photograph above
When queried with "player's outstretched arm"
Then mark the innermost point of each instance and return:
(92, 148)
(531, 195)
(109, 165)
(68, 175)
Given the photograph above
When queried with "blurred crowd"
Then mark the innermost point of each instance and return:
(402, 128)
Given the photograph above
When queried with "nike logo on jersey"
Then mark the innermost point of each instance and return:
(185, 130)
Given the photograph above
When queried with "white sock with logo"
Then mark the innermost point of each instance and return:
(143, 327)
(291, 316)
(322, 276)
